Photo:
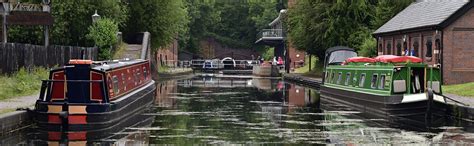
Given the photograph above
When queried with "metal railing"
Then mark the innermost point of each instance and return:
(266, 33)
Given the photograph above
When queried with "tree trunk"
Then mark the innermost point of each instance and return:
(310, 62)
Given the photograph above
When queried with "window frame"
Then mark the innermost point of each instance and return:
(362, 79)
(382, 81)
(429, 47)
(115, 84)
(348, 78)
(339, 78)
(373, 83)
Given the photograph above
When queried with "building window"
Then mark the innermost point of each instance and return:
(429, 47)
(373, 83)
(362, 80)
(399, 48)
(380, 48)
(348, 78)
(382, 82)
(438, 49)
(116, 85)
(339, 78)
(416, 46)
(389, 48)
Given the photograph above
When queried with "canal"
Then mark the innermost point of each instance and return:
(209, 110)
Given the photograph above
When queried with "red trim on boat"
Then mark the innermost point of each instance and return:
(80, 61)
(54, 119)
(77, 135)
(361, 59)
(397, 59)
(77, 119)
(54, 136)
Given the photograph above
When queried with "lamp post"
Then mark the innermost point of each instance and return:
(95, 17)
(6, 8)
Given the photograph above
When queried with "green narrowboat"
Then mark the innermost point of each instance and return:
(387, 86)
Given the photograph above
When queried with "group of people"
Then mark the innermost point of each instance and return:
(275, 61)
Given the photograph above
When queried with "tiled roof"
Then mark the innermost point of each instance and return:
(421, 14)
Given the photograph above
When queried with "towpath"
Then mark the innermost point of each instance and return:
(17, 102)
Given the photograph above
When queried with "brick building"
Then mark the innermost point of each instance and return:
(168, 55)
(439, 32)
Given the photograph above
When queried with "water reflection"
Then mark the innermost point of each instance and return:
(206, 110)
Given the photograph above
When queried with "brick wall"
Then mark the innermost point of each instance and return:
(168, 55)
(458, 55)
(297, 57)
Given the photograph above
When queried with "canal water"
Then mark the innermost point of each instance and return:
(209, 110)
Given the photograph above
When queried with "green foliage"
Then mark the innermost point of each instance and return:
(164, 19)
(22, 83)
(315, 25)
(386, 9)
(368, 48)
(268, 54)
(104, 35)
(72, 18)
(231, 23)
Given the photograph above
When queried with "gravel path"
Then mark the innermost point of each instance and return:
(18, 102)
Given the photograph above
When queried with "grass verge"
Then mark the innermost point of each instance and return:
(22, 83)
(460, 89)
(6, 111)
(316, 68)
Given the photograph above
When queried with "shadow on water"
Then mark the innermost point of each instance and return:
(207, 110)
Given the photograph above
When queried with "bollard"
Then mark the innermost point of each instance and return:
(429, 107)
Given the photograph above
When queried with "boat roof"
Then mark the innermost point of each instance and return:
(112, 64)
(338, 48)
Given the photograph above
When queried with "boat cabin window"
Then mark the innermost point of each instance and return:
(382, 82)
(362, 80)
(115, 84)
(348, 78)
(138, 76)
(135, 77)
(332, 76)
(339, 78)
(123, 82)
(373, 83)
(145, 73)
(337, 57)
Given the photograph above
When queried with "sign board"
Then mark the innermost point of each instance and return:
(29, 18)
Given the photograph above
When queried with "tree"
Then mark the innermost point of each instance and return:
(315, 25)
(72, 19)
(104, 34)
(164, 19)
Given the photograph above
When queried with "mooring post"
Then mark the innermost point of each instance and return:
(429, 107)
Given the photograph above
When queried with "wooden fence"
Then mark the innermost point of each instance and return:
(14, 56)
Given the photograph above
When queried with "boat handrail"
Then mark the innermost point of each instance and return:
(78, 81)
(47, 83)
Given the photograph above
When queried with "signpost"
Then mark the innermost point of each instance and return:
(26, 14)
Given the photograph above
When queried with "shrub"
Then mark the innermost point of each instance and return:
(104, 35)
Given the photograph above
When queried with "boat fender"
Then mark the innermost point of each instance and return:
(429, 105)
